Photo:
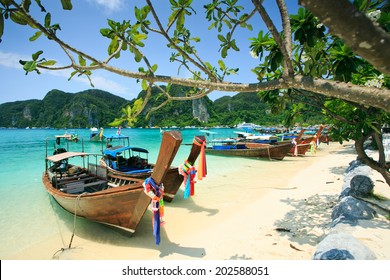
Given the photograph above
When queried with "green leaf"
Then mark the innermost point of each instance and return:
(221, 65)
(106, 32)
(140, 37)
(137, 13)
(154, 67)
(66, 4)
(137, 55)
(113, 45)
(18, 18)
(82, 61)
(112, 24)
(47, 20)
(221, 38)
(40, 5)
(6, 3)
(36, 36)
(116, 122)
(47, 63)
(30, 66)
(224, 52)
(144, 85)
(180, 19)
(36, 55)
(26, 5)
(213, 25)
(72, 74)
(137, 105)
(234, 46)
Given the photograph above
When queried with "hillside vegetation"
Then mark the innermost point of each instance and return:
(98, 108)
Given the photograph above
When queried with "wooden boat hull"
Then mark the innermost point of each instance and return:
(96, 138)
(90, 192)
(301, 149)
(277, 151)
(256, 150)
(122, 207)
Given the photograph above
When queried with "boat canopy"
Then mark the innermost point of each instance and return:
(227, 140)
(114, 151)
(66, 155)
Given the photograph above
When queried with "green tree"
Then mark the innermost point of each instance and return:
(302, 62)
(318, 53)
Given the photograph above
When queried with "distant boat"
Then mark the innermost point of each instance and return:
(264, 138)
(86, 189)
(96, 135)
(233, 147)
(169, 129)
(68, 136)
(246, 126)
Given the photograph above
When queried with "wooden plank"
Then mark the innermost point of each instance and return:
(169, 146)
(80, 185)
(74, 180)
(196, 148)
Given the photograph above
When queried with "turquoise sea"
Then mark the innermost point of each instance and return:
(28, 215)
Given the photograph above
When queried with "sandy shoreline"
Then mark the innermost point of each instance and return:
(280, 212)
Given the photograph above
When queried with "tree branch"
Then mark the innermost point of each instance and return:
(264, 15)
(364, 37)
(156, 18)
(287, 35)
(369, 96)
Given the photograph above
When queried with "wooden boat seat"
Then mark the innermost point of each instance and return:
(68, 180)
(79, 186)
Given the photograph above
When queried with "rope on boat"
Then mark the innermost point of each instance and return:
(75, 217)
(74, 225)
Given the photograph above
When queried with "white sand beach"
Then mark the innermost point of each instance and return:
(280, 212)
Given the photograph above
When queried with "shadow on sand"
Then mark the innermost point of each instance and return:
(102, 234)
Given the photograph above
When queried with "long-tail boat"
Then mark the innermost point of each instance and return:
(233, 147)
(132, 162)
(85, 189)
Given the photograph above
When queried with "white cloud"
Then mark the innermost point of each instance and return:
(99, 82)
(102, 83)
(11, 59)
(108, 5)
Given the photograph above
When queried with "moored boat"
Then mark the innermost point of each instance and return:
(233, 147)
(96, 135)
(85, 189)
(68, 136)
(132, 162)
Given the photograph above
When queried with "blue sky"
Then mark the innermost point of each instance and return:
(80, 28)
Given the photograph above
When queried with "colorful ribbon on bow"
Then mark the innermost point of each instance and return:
(156, 193)
(202, 167)
(188, 172)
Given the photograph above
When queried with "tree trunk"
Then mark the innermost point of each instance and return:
(364, 158)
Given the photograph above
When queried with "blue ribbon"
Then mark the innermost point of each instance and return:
(187, 189)
(156, 214)
(156, 225)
